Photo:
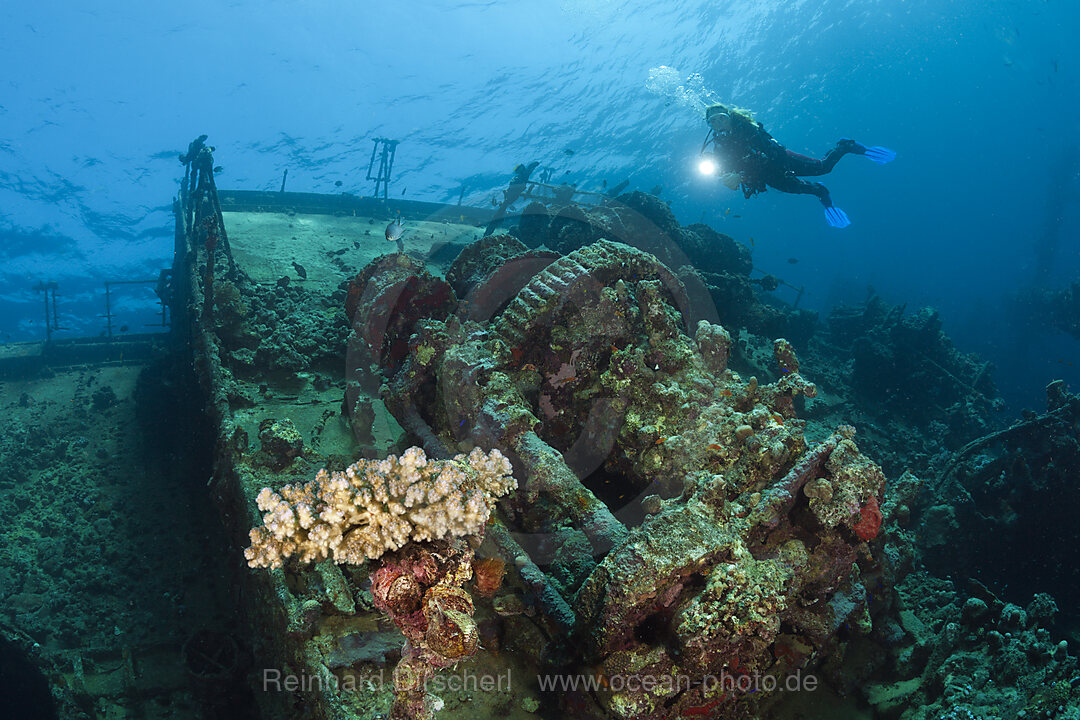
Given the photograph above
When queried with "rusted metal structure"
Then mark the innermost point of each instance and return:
(662, 524)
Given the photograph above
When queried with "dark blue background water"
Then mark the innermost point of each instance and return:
(979, 99)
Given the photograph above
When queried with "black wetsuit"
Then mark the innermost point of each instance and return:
(761, 161)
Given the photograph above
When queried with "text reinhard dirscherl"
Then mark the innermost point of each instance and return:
(274, 680)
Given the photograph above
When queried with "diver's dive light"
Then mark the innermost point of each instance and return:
(707, 166)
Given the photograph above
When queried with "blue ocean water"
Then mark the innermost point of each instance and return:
(979, 99)
(979, 212)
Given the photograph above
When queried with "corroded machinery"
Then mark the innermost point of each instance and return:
(674, 533)
(672, 522)
(684, 533)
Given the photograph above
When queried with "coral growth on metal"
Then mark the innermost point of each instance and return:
(420, 588)
(719, 544)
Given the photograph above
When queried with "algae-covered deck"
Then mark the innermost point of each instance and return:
(108, 574)
(332, 237)
(301, 249)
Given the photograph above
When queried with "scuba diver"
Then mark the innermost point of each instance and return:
(751, 159)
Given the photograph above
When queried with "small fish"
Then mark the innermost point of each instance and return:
(337, 183)
(124, 328)
(716, 446)
(568, 152)
(394, 231)
(218, 170)
(751, 242)
(403, 191)
(300, 271)
(792, 261)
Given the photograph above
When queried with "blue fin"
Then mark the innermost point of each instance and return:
(880, 155)
(836, 217)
